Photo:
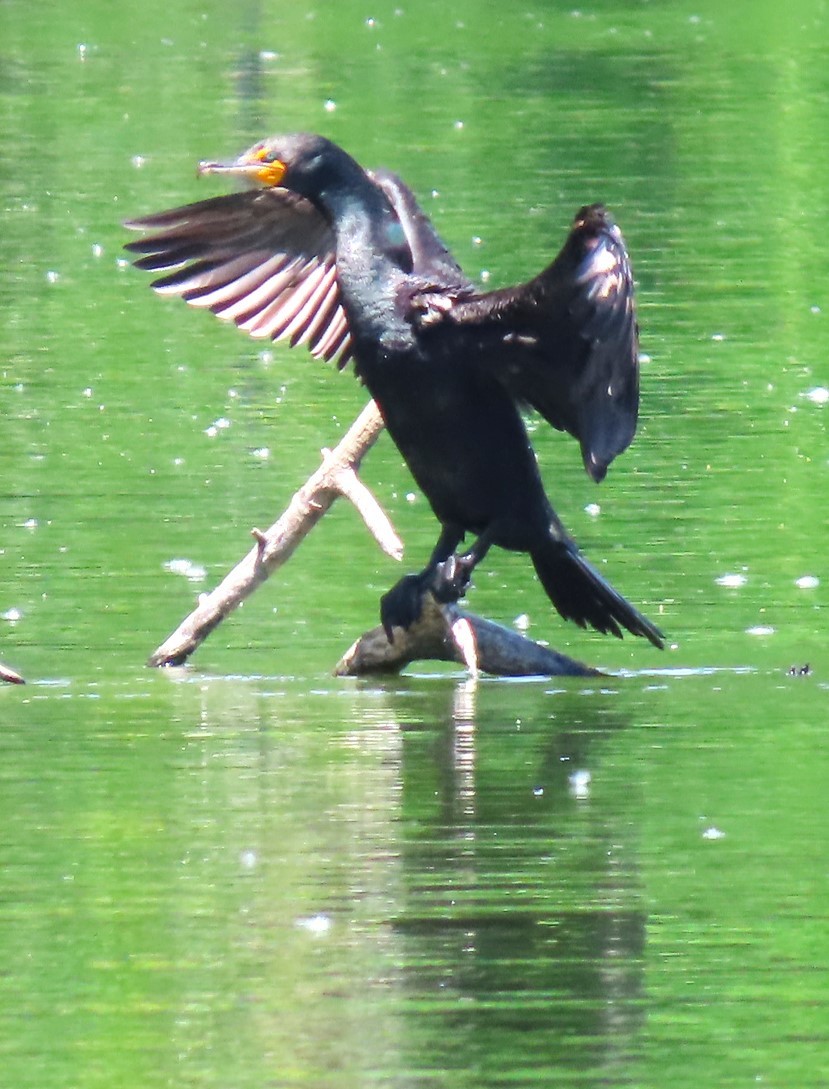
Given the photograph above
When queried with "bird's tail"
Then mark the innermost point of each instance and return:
(580, 593)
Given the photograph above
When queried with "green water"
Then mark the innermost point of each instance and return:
(248, 873)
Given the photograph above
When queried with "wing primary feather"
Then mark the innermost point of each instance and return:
(241, 304)
(231, 281)
(265, 260)
(271, 318)
(326, 302)
(306, 302)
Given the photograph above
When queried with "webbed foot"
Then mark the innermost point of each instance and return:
(401, 606)
(451, 579)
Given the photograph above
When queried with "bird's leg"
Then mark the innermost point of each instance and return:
(402, 605)
(452, 576)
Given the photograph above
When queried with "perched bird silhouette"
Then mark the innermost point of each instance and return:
(323, 253)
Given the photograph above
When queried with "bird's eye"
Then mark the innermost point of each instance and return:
(263, 155)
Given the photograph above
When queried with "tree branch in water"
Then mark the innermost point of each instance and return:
(444, 632)
(336, 476)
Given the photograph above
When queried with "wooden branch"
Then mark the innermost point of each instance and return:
(349, 485)
(449, 634)
(9, 675)
(444, 632)
(336, 476)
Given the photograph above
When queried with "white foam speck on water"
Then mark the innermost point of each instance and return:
(732, 580)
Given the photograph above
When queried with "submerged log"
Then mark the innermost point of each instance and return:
(447, 633)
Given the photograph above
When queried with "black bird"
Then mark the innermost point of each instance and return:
(322, 253)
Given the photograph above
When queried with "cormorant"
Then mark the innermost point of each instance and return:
(323, 253)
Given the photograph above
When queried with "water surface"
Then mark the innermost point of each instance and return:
(250, 873)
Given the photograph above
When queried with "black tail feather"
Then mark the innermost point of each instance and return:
(580, 593)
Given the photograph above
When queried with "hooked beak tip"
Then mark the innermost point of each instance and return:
(267, 174)
(205, 167)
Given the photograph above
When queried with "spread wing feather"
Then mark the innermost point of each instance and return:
(264, 259)
(565, 343)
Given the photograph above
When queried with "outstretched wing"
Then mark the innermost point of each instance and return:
(430, 258)
(263, 259)
(565, 343)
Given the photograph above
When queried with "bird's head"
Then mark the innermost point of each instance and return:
(302, 162)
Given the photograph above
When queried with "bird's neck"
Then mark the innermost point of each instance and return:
(365, 224)
(371, 259)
